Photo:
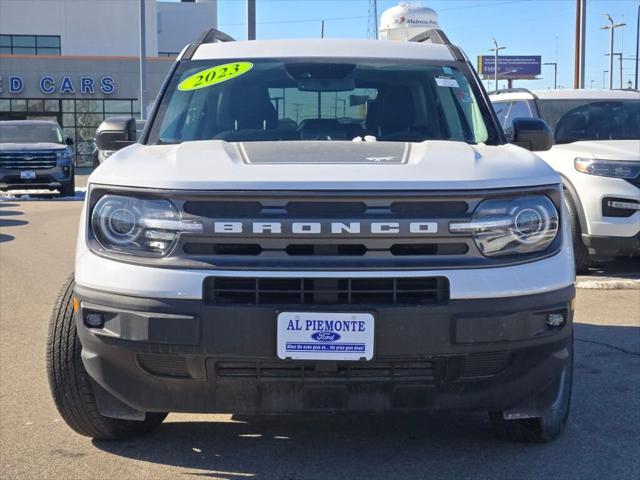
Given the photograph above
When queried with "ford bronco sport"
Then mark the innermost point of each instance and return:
(318, 226)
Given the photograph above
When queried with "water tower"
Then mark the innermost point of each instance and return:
(405, 21)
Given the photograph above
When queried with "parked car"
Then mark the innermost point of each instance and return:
(35, 155)
(597, 153)
(227, 264)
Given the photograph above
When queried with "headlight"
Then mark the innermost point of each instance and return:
(513, 225)
(138, 226)
(608, 168)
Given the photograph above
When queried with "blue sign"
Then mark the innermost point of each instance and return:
(510, 66)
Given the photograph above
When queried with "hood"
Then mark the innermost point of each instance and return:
(30, 147)
(299, 165)
(604, 149)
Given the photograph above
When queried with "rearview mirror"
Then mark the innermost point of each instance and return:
(531, 133)
(116, 133)
(68, 141)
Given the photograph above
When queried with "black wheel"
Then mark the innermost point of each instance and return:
(70, 384)
(581, 254)
(68, 189)
(552, 421)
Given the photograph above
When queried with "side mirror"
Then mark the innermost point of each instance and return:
(68, 141)
(116, 133)
(531, 133)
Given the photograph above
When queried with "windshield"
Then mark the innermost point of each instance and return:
(30, 133)
(575, 120)
(266, 100)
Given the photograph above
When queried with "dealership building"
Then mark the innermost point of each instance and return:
(77, 61)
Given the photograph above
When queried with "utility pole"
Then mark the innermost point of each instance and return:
(251, 19)
(322, 29)
(637, 44)
(604, 75)
(496, 49)
(592, 82)
(372, 25)
(143, 62)
(611, 27)
(580, 48)
(555, 73)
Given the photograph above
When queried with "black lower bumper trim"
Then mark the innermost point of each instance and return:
(612, 246)
(188, 356)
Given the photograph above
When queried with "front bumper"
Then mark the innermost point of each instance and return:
(189, 356)
(605, 247)
(45, 179)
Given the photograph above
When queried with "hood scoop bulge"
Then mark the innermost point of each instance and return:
(324, 152)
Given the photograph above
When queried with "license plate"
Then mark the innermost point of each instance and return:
(27, 175)
(325, 336)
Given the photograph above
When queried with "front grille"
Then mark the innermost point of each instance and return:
(325, 250)
(344, 236)
(485, 364)
(27, 161)
(326, 291)
(325, 209)
(164, 365)
(415, 369)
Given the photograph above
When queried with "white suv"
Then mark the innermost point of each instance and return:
(597, 153)
(318, 226)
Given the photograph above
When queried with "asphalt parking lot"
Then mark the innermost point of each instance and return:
(37, 240)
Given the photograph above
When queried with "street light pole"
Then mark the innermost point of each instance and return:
(637, 44)
(143, 63)
(604, 75)
(611, 27)
(251, 19)
(555, 73)
(619, 55)
(496, 49)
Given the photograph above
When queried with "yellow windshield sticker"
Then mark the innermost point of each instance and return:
(215, 75)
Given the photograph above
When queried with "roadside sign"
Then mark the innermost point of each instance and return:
(510, 66)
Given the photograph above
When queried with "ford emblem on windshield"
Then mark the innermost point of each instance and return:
(325, 336)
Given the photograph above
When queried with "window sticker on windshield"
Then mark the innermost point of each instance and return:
(447, 82)
(215, 75)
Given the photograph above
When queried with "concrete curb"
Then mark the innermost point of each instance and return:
(604, 283)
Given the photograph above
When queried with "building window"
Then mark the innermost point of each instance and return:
(30, 44)
(168, 54)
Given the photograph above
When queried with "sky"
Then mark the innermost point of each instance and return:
(525, 27)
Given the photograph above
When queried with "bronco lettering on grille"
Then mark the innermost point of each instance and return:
(320, 228)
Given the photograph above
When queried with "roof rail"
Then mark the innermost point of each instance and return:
(212, 35)
(434, 35)
(513, 90)
(438, 37)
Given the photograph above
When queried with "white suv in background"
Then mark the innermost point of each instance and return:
(597, 153)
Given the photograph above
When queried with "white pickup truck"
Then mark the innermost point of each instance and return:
(318, 226)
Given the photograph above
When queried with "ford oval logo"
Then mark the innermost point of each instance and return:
(325, 336)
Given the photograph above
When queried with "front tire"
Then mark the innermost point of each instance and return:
(70, 383)
(68, 189)
(549, 424)
(581, 254)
